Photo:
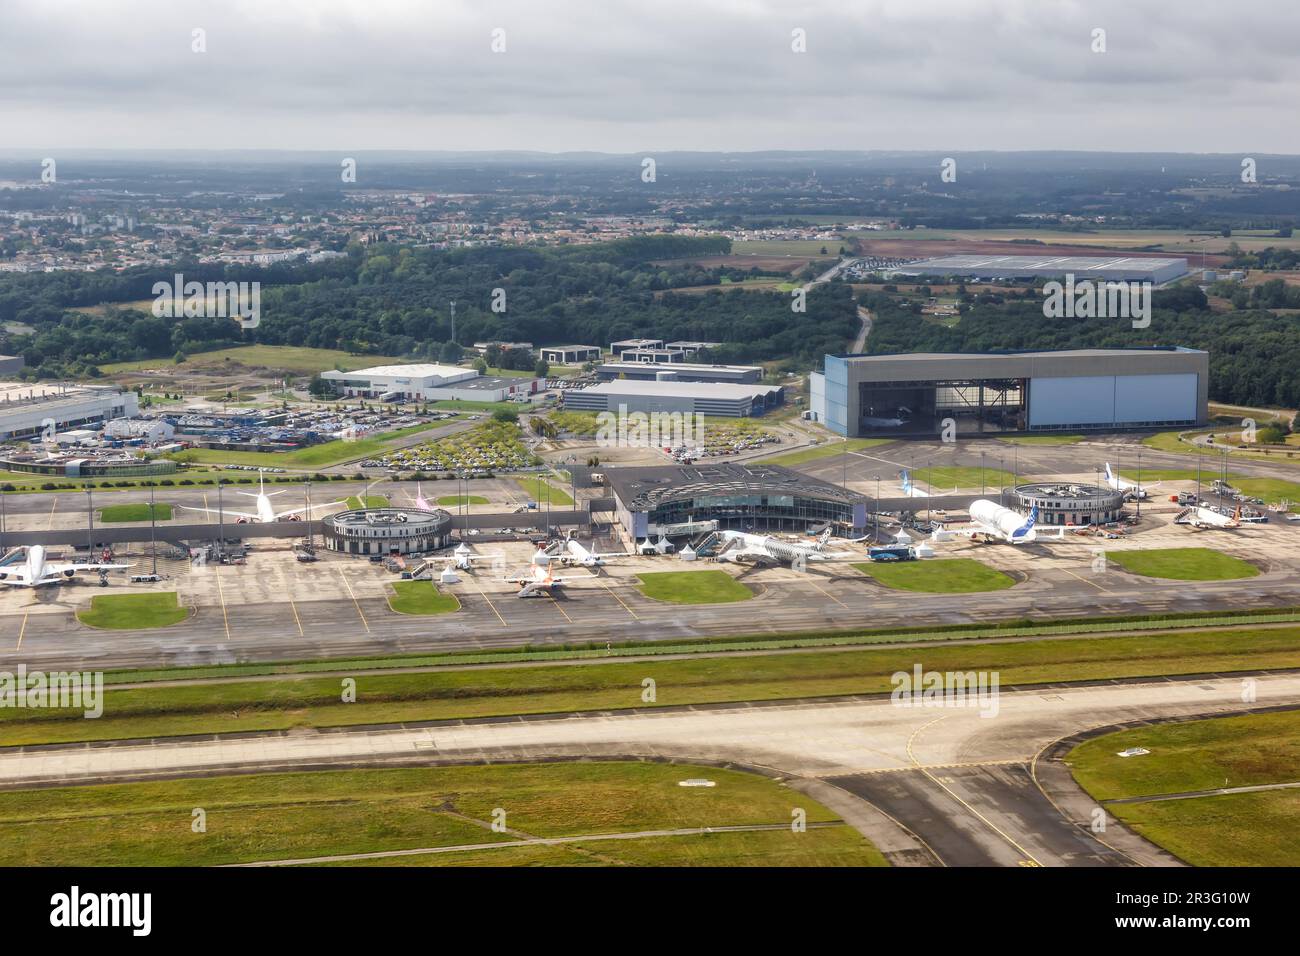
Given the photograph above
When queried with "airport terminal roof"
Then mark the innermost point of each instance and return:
(422, 370)
(1141, 350)
(1061, 264)
(642, 489)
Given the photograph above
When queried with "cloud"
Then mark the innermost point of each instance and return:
(659, 74)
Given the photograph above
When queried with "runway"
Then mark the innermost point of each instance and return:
(956, 785)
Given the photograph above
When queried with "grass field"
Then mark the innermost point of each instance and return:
(287, 701)
(939, 576)
(1245, 829)
(288, 357)
(455, 501)
(694, 587)
(945, 478)
(1184, 564)
(132, 611)
(355, 503)
(313, 456)
(824, 451)
(421, 597)
(290, 816)
(135, 512)
(543, 491)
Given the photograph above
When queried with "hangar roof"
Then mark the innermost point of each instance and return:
(642, 489)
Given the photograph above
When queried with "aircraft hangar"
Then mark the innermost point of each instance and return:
(1074, 390)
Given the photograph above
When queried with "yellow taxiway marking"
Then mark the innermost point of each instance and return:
(620, 601)
(1085, 580)
(355, 602)
(551, 597)
(21, 631)
(221, 595)
(1029, 857)
(49, 525)
(296, 619)
(828, 594)
(484, 596)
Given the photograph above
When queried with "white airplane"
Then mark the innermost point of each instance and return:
(576, 554)
(1202, 517)
(765, 549)
(538, 579)
(419, 500)
(910, 490)
(265, 514)
(36, 571)
(1130, 489)
(990, 519)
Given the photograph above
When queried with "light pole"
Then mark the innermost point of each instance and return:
(981, 474)
(877, 509)
(1139, 487)
(221, 516)
(153, 533)
(90, 521)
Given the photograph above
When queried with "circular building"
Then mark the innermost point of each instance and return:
(387, 531)
(1068, 503)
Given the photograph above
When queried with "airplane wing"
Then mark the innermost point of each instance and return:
(54, 570)
(298, 511)
(16, 578)
(213, 511)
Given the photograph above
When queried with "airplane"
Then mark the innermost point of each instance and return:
(265, 514)
(1202, 517)
(990, 519)
(1130, 489)
(538, 579)
(910, 490)
(419, 500)
(578, 555)
(37, 571)
(765, 549)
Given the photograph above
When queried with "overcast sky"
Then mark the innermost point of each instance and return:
(629, 76)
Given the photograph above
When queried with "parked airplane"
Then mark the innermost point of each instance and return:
(1202, 517)
(1130, 489)
(264, 514)
(910, 490)
(576, 554)
(538, 579)
(766, 549)
(419, 500)
(36, 570)
(990, 519)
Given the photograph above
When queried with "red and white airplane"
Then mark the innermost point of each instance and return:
(538, 579)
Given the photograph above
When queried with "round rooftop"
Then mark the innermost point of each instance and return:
(414, 519)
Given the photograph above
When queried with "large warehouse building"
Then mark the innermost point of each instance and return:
(743, 497)
(707, 398)
(429, 382)
(1075, 390)
(680, 372)
(28, 410)
(1151, 269)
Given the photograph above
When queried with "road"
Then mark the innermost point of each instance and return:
(956, 785)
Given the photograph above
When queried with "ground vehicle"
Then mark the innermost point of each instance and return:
(892, 553)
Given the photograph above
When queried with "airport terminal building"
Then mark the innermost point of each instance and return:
(385, 531)
(428, 382)
(740, 497)
(1067, 390)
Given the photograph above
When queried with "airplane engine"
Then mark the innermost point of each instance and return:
(69, 573)
(3, 575)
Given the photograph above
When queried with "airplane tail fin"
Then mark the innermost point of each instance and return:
(1110, 475)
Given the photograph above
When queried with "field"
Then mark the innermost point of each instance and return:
(1241, 829)
(135, 512)
(694, 587)
(354, 502)
(284, 701)
(1183, 564)
(791, 248)
(819, 452)
(455, 501)
(302, 815)
(938, 576)
(421, 597)
(131, 611)
(544, 491)
(289, 358)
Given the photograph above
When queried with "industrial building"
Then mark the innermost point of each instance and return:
(27, 411)
(652, 356)
(144, 429)
(429, 382)
(569, 354)
(1151, 269)
(706, 398)
(680, 372)
(742, 497)
(1070, 503)
(1075, 390)
(387, 531)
